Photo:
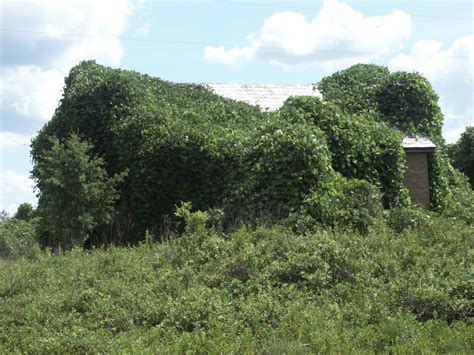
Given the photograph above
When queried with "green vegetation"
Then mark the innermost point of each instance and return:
(405, 288)
(462, 154)
(302, 237)
(151, 144)
(25, 212)
(77, 196)
(18, 238)
(181, 142)
(407, 102)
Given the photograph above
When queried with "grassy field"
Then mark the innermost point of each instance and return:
(265, 290)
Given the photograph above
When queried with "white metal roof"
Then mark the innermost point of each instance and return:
(417, 142)
(269, 97)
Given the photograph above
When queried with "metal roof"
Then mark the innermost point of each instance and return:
(418, 143)
(269, 97)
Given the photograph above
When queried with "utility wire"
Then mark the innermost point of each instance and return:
(196, 43)
(290, 6)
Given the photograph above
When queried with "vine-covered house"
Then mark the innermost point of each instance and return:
(270, 97)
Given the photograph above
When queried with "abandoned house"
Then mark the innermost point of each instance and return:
(270, 97)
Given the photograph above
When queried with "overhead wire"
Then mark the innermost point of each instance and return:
(199, 43)
(292, 6)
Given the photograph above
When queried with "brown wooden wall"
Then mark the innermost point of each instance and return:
(416, 178)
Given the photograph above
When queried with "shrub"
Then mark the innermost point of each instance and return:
(282, 163)
(462, 154)
(18, 238)
(451, 193)
(76, 195)
(403, 218)
(345, 203)
(248, 291)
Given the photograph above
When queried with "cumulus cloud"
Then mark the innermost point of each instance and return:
(41, 41)
(13, 140)
(15, 188)
(31, 91)
(451, 72)
(231, 56)
(338, 36)
(36, 55)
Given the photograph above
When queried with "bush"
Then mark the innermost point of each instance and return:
(403, 218)
(76, 195)
(18, 239)
(181, 142)
(462, 154)
(178, 142)
(248, 291)
(451, 194)
(345, 203)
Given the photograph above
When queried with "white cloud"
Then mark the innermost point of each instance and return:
(338, 36)
(12, 140)
(15, 188)
(30, 90)
(451, 72)
(35, 63)
(231, 56)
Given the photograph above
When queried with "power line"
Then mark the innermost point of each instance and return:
(197, 43)
(289, 6)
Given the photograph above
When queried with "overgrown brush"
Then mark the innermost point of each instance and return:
(254, 290)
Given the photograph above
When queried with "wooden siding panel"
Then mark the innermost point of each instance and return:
(416, 178)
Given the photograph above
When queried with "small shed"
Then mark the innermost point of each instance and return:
(270, 97)
(416, 168)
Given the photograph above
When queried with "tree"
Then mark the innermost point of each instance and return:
(24, 212)
(75, 193)
(462, 154)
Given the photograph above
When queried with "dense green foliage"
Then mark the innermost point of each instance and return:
(25, 212)
(410, 104)
(18, 238)
(181, 142)
(355, 90)
(295, 252)
(462, 154)
(404, 100)
(407, 102)
(400, 290)
(361, 146)
(76, 195)
(312, 162)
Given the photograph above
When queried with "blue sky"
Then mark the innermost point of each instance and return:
(252, 41)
